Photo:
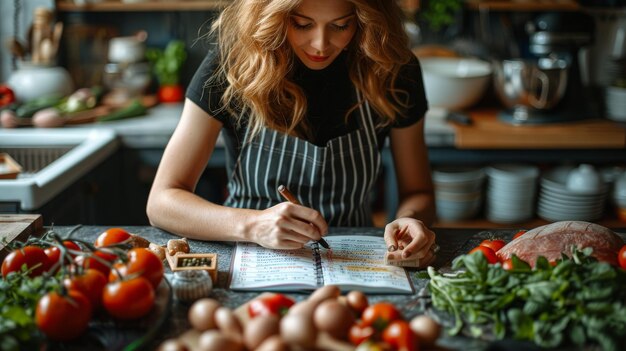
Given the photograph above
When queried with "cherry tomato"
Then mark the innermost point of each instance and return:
(518, 234)
(621, 257)
(60, 318)
(494, 244)
(171, 93)
(31, 256)
(489, 254)
(7, 96)
(87, 261)
(54, 253)
(399, 335)
(91, 283)
(276, 304)
(119, 270)
(128, 299)
(507, 265)
(379, 315)
(146, 263)
(359, 333)
(110, 237)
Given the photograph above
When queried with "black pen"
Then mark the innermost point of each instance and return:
(289, 197)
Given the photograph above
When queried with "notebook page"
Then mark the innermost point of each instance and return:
(358, 262)
(257, 268)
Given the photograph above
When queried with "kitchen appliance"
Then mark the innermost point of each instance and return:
(549, 85)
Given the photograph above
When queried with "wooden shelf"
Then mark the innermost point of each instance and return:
(146, 6)
(523, 5)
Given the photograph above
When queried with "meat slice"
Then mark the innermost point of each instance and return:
(553, 239)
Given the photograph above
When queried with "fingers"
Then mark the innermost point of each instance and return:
(422, 239)
(392, 232)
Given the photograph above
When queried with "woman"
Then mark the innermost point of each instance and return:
(305, 93)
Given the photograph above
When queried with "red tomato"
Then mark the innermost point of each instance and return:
(171, 93)
(276, 304)
(7, 96)
(119, 270)
(61, 318)
(621, 257)
(359, 333)
(379, 315)
(507, 265)
(54, 253)
(111, 236)
(90, 262)
(494, 244)
(400, 336)
(31, 256)
(518, 234)
(146, 263)
(489, 254)
(128, 299)
(91, 283)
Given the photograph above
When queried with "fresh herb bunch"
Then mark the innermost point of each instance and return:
(439, 13)
(19, 294)
(578, 301)
(168, 63)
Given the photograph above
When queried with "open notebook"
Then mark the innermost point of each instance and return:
(354, 262)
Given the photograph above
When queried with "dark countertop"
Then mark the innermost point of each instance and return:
(452, 242)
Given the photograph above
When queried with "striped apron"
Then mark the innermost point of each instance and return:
(336, 179)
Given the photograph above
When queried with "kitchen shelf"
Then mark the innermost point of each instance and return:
(523, 5)
(146, 6)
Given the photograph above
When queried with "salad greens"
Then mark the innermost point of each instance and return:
(19, 294)
(578, 301)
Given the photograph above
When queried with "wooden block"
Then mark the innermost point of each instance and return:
(410, 262)
(176, 263)
(18, 227)
(9, 168)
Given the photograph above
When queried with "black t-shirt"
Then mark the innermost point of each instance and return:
(329, 92)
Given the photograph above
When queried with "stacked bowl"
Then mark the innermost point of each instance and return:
(558, 202)
(458, 192)
(615, 100)
(511, 190)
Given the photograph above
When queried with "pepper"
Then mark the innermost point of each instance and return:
(7, 96)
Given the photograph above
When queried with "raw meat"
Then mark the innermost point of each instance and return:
(553, 239)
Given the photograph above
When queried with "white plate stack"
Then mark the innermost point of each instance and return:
(511, 190)
(615, 100)
(558, 203)
(458, 192)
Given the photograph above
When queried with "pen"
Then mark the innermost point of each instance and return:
(289, 197)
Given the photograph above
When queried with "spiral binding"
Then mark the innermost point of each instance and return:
(319, 274)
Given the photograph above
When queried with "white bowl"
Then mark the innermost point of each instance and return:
(455, 83)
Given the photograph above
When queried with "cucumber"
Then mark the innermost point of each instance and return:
(134, 109)
(28, 109)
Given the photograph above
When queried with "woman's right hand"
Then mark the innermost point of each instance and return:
(286, 226)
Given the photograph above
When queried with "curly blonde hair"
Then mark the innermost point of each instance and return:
(255, 59)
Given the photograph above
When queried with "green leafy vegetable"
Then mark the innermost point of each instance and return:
(579, 301)
(168, 63)
(19, 294)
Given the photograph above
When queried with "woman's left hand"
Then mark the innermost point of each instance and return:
(407, 239)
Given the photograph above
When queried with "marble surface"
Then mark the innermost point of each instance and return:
(452, 243)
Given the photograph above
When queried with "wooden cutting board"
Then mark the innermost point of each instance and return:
(18, 227)
(488, 132)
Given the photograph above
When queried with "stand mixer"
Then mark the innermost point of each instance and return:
(549, 87)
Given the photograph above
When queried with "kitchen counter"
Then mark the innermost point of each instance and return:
(452, 242)
(155, 129)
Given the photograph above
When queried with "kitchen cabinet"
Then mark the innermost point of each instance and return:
(150, 6)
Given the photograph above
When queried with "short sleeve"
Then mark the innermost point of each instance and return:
(410, 84)
(208, 96)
